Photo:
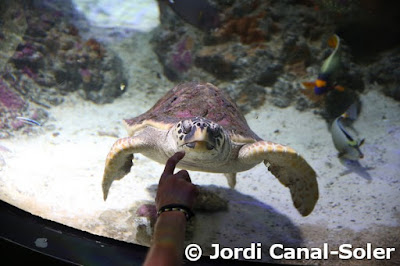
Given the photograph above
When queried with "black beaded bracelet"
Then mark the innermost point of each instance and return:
(177, 207)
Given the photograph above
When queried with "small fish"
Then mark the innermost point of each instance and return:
(347, 145)
(122, 86)
(328, 68)
(28, 121)
(323, 84)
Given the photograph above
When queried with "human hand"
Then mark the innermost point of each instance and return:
(175, 188)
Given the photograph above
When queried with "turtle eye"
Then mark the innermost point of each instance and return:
(186, 127)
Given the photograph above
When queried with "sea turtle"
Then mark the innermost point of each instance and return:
(201, 120)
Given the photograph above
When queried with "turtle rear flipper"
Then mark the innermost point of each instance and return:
(119, 160)
(290, 168)
(231, 178)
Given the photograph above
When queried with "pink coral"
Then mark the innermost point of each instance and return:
(182, 56)
(147, 210)
(85, 74)
(16, 124)
(29, 72)
(10, 99)
(25, 50)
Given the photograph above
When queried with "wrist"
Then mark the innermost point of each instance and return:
(177, 208)
(169, 229)
(174, 216)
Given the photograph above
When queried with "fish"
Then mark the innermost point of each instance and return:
(347, 145)
(199, 13)
(324, 81)
(29, 121)
(122, 86)
(320, 86)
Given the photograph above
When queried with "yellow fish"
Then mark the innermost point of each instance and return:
(323, 83)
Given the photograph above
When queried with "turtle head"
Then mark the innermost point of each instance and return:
(199, 137)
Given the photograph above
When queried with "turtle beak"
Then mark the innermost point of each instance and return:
(199, 139)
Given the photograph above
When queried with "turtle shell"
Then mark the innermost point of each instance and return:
(195, 99)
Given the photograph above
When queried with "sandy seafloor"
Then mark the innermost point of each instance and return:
(57, 173)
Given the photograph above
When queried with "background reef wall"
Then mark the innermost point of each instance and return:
(259, 50)
(255, 50)
(44, 57)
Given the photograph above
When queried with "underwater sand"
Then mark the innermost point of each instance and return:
(138, 15)
(57, 175)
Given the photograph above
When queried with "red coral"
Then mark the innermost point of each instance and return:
(246, 28)
(96, 47)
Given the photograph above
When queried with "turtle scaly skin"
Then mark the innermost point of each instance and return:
(201, 120)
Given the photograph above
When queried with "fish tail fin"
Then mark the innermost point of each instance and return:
(361, 142)
(308, 85)
(339, 88)
(353, 111)
(333, 41)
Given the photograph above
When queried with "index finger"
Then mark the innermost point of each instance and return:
(171, 164)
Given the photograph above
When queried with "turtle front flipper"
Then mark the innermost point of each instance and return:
(119, 160)
(289, 167)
